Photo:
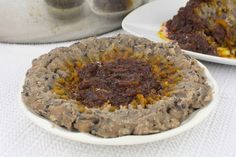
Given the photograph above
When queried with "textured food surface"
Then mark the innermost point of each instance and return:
(52, 72)
(117, 82)
(205, 26)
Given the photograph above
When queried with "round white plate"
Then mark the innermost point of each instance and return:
(146, 21)
(195, 118)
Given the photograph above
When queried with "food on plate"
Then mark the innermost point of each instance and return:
(206, 27)
(116, 86)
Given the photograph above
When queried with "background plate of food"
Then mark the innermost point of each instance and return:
(205, 30)
(120, 90)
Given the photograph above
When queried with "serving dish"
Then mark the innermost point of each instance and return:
(193, 119)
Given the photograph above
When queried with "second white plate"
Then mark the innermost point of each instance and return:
(146, 21)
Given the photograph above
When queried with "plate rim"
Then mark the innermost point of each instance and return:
(195, 119)
(196, 55)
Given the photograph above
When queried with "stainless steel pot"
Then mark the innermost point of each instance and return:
(42, 21)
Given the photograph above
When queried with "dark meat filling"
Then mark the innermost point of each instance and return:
(192, 32)
(117, 82)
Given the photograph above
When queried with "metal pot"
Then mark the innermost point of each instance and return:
(43, 21)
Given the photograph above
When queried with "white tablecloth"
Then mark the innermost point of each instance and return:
(19, 137)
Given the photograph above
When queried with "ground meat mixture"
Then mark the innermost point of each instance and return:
(160, 84)
(116, 82)
(203, 26)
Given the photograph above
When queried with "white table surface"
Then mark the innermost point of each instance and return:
(19, 137)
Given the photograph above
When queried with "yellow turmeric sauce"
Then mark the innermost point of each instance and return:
(162, 33)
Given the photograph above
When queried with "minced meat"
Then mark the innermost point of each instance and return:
(117, 82)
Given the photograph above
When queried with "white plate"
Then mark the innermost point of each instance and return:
(192, 121)
(146, 21)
